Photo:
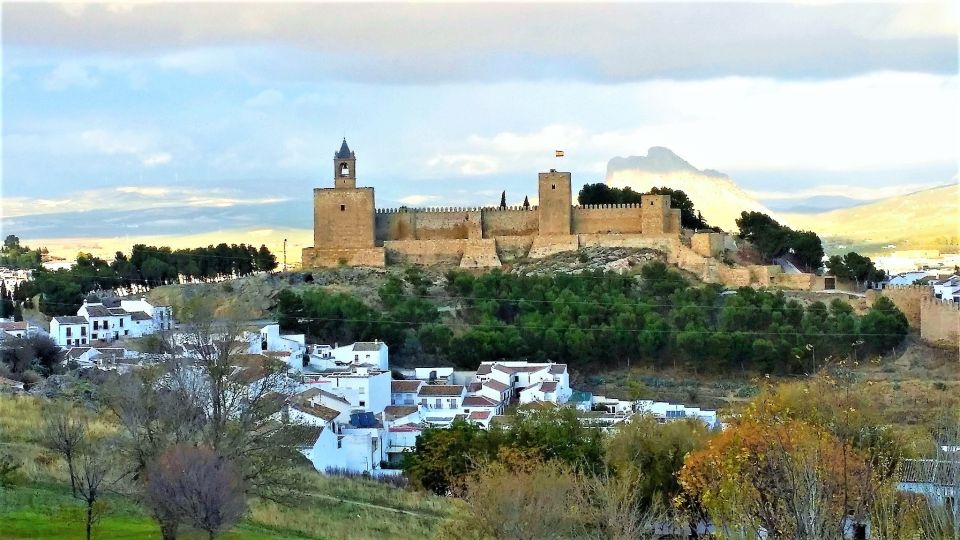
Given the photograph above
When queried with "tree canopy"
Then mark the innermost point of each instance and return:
(774, 240)
(601, 193)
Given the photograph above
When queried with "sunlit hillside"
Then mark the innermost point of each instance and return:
(68, 248)
(928, 219)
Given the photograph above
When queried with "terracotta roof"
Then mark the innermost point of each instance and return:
(326, 413)
(484, 369)
(479, 415)
(441, 390)
(548, 386)
(97, 310)
(474, 386)
(406, 428)
(71, 319)
(367, 346)
(496, 385)
(405, 386)
(479, 401)
(140, 316)
(558, 369)
(117, 311)
(399, 411)
(13, 326)
(930, 471)
(308, 394)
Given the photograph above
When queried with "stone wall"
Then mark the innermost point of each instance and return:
(544, 246)
(907, 298)
(940, 322)
(467, 253)
(515, 221)
(708, 244)
(607, 218)
(480, 254)
(343, 218)
(511, 248)
(327, 258)
(433, 224)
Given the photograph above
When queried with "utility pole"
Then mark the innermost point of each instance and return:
(284, 254)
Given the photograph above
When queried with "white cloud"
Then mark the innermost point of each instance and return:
(128, 198)
(160, 158)
(68, 75)
(267, 98)
(465, 164)
(416, 200)
(464, 41)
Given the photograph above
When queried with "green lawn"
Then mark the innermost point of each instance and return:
(48, 511)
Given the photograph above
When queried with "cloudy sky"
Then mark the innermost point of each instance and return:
(208, 109)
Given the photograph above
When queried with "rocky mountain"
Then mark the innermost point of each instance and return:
(924, 219)
(718, 197)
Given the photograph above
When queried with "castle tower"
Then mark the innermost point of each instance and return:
(344, 167)
(343, 217)
(655, 214)
(555, 200)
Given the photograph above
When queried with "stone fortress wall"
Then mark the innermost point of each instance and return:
(350, 230)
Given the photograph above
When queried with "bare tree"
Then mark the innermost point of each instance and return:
(197, 486)
(66, 434)
(90, 479)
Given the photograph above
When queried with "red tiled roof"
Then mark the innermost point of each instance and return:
(548, 386)
(405, 386)
(399, 411)
(479, 415)
(441, 390)
(326, 413)
(479, 401)
(13, 326)
(406, 428)
(558, 369)
(484, 369)
(496, 385)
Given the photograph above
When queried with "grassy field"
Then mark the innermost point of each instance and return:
(39, 504)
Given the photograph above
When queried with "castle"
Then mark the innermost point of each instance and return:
(348, 228)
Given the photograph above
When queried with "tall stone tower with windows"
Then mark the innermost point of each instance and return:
(343, 219)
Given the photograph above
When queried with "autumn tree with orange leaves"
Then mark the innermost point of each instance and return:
(785, 476)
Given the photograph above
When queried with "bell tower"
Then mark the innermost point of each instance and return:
(344, 168)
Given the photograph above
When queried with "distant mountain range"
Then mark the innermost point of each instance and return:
(713, 193)
(924, 219)
(814, 204)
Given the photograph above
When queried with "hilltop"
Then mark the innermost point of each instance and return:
(713, 193)
(924, 219)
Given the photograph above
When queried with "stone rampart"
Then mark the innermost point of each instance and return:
(940, 322)
(480, 253)
(708, 244)
(907, 298)
(463, 252)
(607, 218)
(327, 258)
(511, 221)
(546, 245)
(511, 248)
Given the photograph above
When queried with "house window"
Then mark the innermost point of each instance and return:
(343, 207)
(423, 402)
(96, 325)
(94, 336)
(126, 332)
(439, 403)
(553, 186)
(363, 403)
(339, 442)
(121, 323)
(356, 358)
(83, 330)
(453, 403)
(69, 331)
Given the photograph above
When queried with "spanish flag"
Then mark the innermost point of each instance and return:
(559, 153)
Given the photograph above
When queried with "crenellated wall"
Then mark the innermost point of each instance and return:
(510, 221)
(940, 322)
(907, 298)
(607, 218)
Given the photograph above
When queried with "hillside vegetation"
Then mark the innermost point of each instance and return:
(925, 219)
(35, 500)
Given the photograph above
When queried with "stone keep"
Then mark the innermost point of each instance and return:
(343, 217)
(555, 201)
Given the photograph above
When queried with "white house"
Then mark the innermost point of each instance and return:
(106, 324)
(70, 331)
(161, 316)
(441, 375)
(268, 339)
(947, 289)
(663, 412)
(405, 392)
(372, 354)
(521, 375)
(364, 388)
(441, 403)
(18, 329)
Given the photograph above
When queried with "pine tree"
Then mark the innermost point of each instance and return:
(503, 199)
(526, 202)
